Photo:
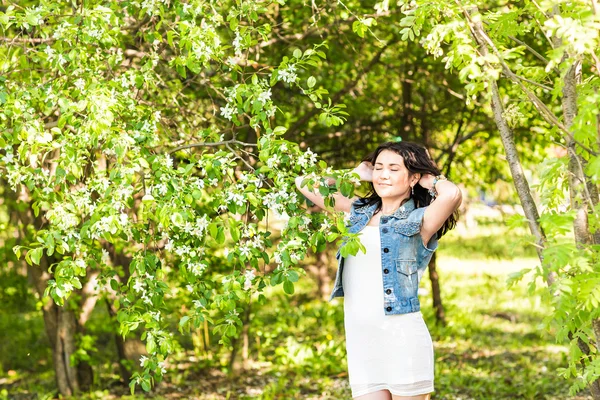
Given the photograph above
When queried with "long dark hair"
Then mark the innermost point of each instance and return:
(417, 161)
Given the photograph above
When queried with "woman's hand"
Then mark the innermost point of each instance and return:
(426, 181)
(365, 171)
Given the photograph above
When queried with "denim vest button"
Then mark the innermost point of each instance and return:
(385, 230)
(385, 271)
(389, 309)
(386, 250)
(388, 291)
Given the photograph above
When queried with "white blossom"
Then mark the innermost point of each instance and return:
(138, 286)
(249, 275)
(237, 43)
(244, 251)
(168, 161)
(273, 161)
(155, 315)
(50, 52)
(288, 75)
(265, 96)
(227, 112)
(161, 365)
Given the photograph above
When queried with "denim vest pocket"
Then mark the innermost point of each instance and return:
(407, 275)
(408, 228)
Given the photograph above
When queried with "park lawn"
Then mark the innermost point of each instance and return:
(494, 346)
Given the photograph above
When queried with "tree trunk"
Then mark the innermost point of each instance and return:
(120, 343)
(234, 366)
(438, 307)
(60, 323)
(581, 191)
(512, 155)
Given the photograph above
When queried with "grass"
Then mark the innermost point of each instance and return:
(492, 348)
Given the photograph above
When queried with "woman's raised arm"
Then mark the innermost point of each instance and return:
(342, 203)
(448, 199)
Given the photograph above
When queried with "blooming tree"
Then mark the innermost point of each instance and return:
(123, 127)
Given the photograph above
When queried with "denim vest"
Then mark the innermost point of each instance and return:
(404, 257)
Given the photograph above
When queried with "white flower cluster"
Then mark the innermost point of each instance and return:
(206, 43)
(36, 133)
(288, 75)
(198, 228)
(59, 31)
(198, 304)
(100, 184)
(140, 286)
(325, 226)
(249, 275)
(230, 108)
(250, 179)
(264, 96)
(227, 111)
(198, 183)
(63, 289)
(62, 216)
(111, 224)
(237, 198)
(273, 161)
(244, 250)
(127, 79)
(307, 159)
(82, 200)
(150, 6)
(197, 268)
(237, 43)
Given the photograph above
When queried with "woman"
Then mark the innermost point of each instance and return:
(410, 206)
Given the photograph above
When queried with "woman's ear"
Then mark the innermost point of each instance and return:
(418, 176)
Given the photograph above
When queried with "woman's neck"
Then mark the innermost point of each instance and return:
(390, 206)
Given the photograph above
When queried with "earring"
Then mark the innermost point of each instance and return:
(413, 190)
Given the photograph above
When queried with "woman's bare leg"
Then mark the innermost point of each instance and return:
(379, 395)
(419, 397)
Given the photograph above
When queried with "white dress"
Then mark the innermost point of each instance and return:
(392, 352)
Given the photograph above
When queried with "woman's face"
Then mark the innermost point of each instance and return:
(391, 178)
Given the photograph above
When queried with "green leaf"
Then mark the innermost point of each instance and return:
(293, 276)
(213, 228)
(145, 385)
(221, 236)
(297, 53)
(288, 287)
(182, 322)
(36, 255)
(279, 130)
(311, 81)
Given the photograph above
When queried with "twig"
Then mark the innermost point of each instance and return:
(548, 88)
(532, 51)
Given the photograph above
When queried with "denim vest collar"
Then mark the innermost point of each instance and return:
(401, 213)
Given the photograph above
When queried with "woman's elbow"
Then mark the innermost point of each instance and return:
(457, 198)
